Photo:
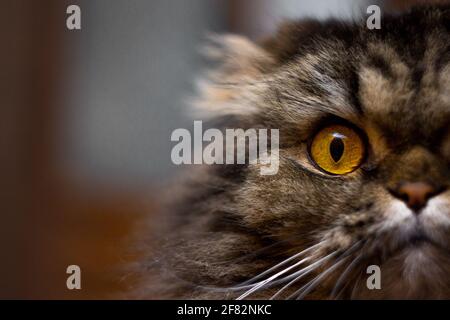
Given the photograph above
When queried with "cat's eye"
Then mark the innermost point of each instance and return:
(337, 149)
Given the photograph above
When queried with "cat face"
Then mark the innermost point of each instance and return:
(364, 164)
(396, 202)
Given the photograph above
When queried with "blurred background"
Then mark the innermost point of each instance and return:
(85, 123)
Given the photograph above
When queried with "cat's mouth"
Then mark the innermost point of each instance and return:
(413, 238)
(418, 241)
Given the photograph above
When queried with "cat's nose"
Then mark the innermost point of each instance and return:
(415, 194)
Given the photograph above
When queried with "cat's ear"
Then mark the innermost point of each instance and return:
(230, 88)
(233, 88)
(290, 35)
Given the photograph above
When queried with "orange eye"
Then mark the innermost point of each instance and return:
(337, 149)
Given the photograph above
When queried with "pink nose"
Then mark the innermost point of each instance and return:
(415, 194)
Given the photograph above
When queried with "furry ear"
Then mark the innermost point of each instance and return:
(290, 37)
(231, 88)
(235, 86)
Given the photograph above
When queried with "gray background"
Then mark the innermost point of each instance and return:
(130, 68)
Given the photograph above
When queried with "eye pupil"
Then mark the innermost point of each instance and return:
(336, 149)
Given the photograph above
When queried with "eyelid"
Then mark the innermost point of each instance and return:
(313, 171)
(331, 119)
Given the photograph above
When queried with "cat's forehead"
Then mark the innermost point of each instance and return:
(397, 78)
(401, 92)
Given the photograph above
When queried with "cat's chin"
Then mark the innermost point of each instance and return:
(418, 270)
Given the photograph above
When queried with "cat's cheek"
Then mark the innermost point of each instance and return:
(397, 216)
(435, 220)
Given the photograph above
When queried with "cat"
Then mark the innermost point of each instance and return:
(363, 176)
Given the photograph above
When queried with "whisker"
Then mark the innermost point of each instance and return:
(282, 263)
(303, 291)
(301, 273)
(358, 279)
(370, 245)
(343, 277)
(262, 283)
(249, 285)
(258, 252)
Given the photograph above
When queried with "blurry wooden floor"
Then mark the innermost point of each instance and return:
(98, 232)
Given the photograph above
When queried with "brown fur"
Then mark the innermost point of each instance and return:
(232, 223)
